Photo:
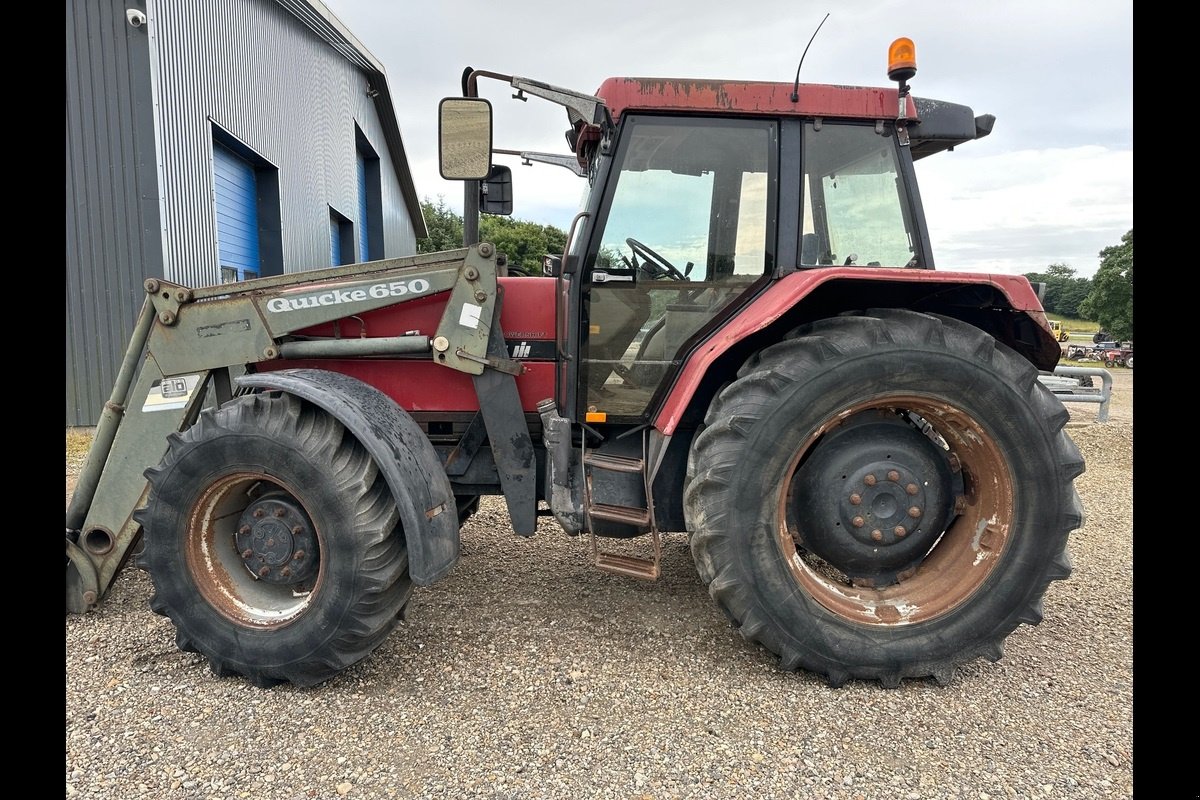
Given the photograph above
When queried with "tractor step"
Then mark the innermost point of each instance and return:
(637, 516)
(613, 463)
(625, 514)
(630, 566)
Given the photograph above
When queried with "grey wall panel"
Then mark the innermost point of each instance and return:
(252, 68)
(141, 105)
(110, 197)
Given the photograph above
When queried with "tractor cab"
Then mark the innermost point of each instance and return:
(703, 193)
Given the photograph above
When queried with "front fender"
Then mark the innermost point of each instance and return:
(400, 449)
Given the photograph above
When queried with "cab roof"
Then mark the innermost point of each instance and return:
(934, 125)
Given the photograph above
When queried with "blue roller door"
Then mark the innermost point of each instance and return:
(236, 192)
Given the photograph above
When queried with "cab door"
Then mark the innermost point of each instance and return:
(684, 228)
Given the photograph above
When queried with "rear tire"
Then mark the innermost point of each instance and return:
(274, 543)
(821, 426)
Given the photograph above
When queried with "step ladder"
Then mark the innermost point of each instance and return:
(619, 563)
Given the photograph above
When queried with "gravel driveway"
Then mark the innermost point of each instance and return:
(528, 674)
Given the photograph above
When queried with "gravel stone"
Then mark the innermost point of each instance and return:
(488, 688)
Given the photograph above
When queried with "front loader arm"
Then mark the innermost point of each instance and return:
(184, 338)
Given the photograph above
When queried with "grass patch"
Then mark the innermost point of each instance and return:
(1075, 325)
(78, 442)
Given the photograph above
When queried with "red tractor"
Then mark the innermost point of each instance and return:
(745, 340)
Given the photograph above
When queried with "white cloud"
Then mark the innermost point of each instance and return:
(1052, 184)
(1020, 211)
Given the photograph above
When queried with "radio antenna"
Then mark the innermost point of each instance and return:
(796, 87)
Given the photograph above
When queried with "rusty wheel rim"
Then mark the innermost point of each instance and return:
(223, 573)
(960, 560)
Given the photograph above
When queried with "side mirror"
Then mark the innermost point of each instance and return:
(465, 138)
(551, 265)
(495, 193)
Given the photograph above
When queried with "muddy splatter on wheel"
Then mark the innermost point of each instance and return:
(883, 496)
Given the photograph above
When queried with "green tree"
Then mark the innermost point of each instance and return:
(445, 228)
(1064, 291)
(523, 243)
(1111, 300)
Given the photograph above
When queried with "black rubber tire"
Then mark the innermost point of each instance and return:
(788, 393)
(301, 633)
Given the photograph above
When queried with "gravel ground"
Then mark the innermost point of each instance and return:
(528, 674)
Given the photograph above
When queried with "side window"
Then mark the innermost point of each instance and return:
(854, 210)
(246, 206)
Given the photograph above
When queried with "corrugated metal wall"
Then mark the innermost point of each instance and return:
(253, 69)
(112, 241)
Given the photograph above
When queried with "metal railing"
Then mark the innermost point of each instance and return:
(1083, 394)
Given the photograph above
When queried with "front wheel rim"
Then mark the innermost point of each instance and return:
(962, 557)
(252, 551)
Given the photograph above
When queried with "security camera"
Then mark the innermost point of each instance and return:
(136, 17)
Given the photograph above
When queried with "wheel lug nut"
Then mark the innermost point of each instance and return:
(258, 512)
(297, 530)
(870, 480)
(912, 488)
(244, 529)
(914, 512)
(299, 556)
(858, 522)
(286, 572)
(247, 553)
(877, 535)
(855, 499)
(279, 512)
(264, 572)
(900, 531)
(893, 475)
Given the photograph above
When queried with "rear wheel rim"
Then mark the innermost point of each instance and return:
(962, 557)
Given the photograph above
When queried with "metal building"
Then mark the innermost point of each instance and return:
(214, 140)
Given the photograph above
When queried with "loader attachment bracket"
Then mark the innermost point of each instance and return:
(512, 447)
(462, 336)
(167, 297)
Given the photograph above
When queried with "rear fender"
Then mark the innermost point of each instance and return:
(1006, 306)
(400, 449)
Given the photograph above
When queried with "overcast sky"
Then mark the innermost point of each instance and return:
(1052, 184)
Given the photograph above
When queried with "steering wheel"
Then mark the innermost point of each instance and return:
(661, 265)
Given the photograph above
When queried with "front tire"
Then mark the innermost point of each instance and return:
(918, 494)
(274, 543)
